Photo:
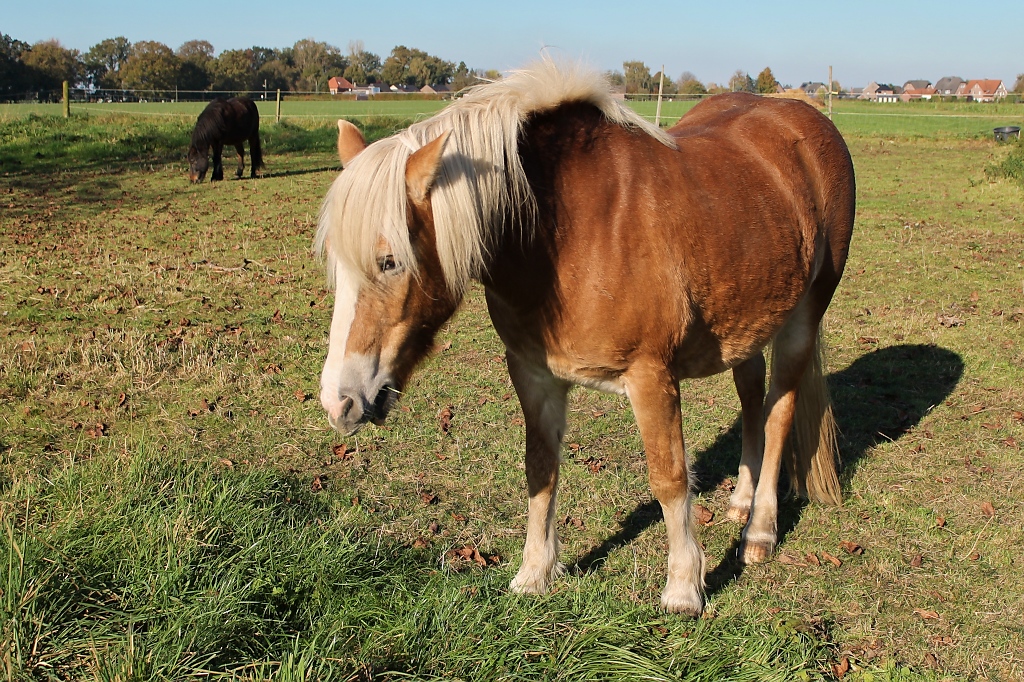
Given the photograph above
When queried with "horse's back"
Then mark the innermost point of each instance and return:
(701, 252)
(779, 148)
(789, 135)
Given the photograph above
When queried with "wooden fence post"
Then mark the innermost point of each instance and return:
(661, 86)
(67, 101)
(278, 106)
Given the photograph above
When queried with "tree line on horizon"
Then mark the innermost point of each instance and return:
(636, 79)
(306, 66)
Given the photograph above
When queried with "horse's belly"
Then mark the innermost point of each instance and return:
(591, 375)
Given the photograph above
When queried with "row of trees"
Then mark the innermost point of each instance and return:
(306, 66)
(636, 78)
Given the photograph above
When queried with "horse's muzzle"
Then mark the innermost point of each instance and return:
(354, 411)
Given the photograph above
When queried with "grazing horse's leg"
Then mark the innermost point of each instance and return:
(241, 160)
(218, 164)
(543, 398)
(654, 394)
(749, 379)
(791, 353)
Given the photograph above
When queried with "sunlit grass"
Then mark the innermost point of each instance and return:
(172, 503)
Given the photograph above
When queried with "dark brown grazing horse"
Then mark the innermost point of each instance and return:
(225, 121)
(615, 256)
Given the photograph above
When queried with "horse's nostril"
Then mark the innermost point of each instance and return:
(347, 403)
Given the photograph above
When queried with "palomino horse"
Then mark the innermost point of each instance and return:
(613, 255)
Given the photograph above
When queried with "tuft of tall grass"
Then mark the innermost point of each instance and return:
(1011, 166)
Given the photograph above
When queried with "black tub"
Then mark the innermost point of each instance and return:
(1007, 133)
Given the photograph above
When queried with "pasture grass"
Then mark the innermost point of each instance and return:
(173, 504)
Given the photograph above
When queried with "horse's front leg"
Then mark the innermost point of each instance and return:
(543, 399)
(241, 161)
(749, 379)
(218, 164)
(654, 394)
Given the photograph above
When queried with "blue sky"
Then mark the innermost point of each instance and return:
(882, 41)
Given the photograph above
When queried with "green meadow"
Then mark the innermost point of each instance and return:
(174, 506)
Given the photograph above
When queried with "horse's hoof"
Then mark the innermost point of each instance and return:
(534, 581)
(686, 601)
(738, 514)
(755, 552)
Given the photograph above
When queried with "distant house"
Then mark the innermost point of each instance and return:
(919, 89)
(881, 92)
(983, 90)
(438, 89)
(948, 86)
(813, 88)
(339, 84)
(403, 88)
(365, 91)
(888, 93)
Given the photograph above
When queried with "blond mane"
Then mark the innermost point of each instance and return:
(481, 179)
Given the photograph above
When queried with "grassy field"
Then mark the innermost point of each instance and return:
(173, 505)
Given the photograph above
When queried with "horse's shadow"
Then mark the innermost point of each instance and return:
(881, 396)
(298, 171)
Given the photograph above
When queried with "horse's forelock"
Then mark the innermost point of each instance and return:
(364, 204)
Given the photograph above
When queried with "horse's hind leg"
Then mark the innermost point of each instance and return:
(654, 394)
(791, 353)
(241, 161)
(749, 379)
(543, 399)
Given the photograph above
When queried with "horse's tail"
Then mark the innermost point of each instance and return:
(812, 459)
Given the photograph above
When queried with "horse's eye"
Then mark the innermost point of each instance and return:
(387, 263)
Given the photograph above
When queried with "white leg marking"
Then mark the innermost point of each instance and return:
(684, 588)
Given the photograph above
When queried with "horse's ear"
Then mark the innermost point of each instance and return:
(421, 170)
(350, 142)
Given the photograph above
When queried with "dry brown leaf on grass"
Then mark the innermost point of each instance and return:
(203, 406)
(851, 547)
(831, 559)
(926, 614)
(702, 514)
(791, 560)
(987, 509)
(917, 560)
(428, 498)
(950, 321)
(841, 668)
(812, 559)
(460, 555)
(300, 395)
(444, 418)
(342, 452)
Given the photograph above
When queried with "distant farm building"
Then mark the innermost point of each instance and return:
(340, 84)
